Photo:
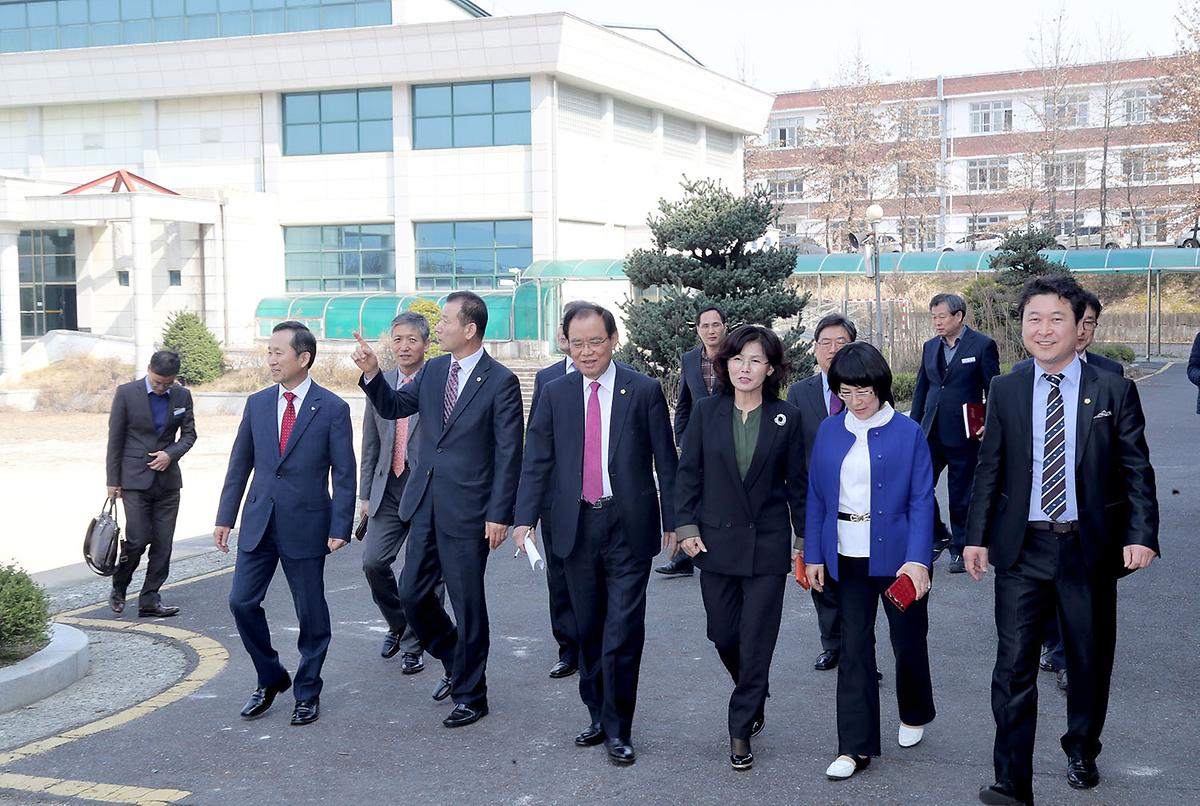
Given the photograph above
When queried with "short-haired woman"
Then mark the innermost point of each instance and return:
(738, 491)
(869, 520)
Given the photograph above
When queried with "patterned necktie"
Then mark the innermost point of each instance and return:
(451, 393)
(400, 443)
(593, 482)
(289, 419)
(1054, 455)
(835, 404)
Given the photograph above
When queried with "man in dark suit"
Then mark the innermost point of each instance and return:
(386, 465)
(697, 380)
(460, 499)
(294, 437)
(150, 427)
(1064, 503)
(594, 444)
(956, 367)
(562, 618)
(1193, 368)
(816, 401)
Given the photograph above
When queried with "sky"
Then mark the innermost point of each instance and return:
(780, 45)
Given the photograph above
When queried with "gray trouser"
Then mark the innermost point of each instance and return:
(385, 537)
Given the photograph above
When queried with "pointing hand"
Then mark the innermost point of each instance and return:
(365, 357)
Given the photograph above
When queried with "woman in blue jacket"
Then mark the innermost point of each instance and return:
(869, 520)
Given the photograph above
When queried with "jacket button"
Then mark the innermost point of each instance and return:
(880, 485)
(278, 475)
(439, 450)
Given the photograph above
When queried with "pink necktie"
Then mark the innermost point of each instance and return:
(593, 482)
(400, 443)
(835, 404)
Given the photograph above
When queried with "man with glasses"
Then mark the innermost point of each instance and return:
(815, 401)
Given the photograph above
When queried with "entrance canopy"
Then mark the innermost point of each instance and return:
(1094, 261)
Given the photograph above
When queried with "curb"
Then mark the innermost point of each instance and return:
(62, 662)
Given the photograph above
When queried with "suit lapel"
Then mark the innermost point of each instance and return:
(1022, 400)
(765, 443)
(1088, 383)
(620, 407)
(470, 386)
(723, 440)
(816, 397)
(304, 415)
(387, 436)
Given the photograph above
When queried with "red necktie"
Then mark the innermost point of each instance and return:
(289, 419)
(593, 469)
(400, 444)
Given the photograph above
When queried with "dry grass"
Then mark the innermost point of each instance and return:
(254, 375)
(77, 383)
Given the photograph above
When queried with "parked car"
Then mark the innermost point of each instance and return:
(887, 243)
(1089, 238)
(806, 246)
(979, 242)
(1189, 238)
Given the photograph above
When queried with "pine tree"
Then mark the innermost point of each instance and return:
(200, 356)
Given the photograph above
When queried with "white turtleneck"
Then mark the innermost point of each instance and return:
(854, 492)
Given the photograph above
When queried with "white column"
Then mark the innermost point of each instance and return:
(141, 284)
(10, 302)
(543, 204)
(149, 165)
(35, 160)
(405, 241)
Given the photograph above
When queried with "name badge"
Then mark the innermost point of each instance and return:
(180, 412)
(970, 360)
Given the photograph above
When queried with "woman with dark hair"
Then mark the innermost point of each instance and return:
(869, 521)
(738, 491)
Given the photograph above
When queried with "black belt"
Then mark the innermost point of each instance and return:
(854, 517)
(1063, 528)
(600, 503)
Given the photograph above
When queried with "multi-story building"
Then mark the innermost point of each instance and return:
(326, 160)
(999, 150)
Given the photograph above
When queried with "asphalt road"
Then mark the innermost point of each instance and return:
(379, 738)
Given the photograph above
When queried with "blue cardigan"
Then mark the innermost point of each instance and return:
(901, 495)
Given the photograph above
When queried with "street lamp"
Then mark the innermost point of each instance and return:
(874, 216)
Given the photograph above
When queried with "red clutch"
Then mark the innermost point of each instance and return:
(902, 593)
(801, 575)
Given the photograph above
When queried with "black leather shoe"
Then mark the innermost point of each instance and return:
(826, 660)
(621, 752)
(1000, 794)
(741, 757)
(681, 566)
(563, 669)
(1044, 661)
(443, 689)
(411, 663)
(957, 565)
(940, 545)
(157, 611)
(116, 600)
(757, 725)
(591, 736)
(306, 711)
(391, 645)
(463, 715)
(262, 698)
(1060, 680)
(1082, 772)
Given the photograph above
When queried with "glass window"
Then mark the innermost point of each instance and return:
(71, 12)
(377, 13)
(269, 22)
(201, 6)
(511, 96)
(43, 38)
(472, 254)
(339, 138)
(14, 41)
(137, 31)
(233, 5)
(375, 135)
(169, 30)
(303, 19)
(471, 99)
(236, 24)
(135, 9)
(514, 233)
(174, 277)
(302, 108)
(435, 235)
(512, 129)
(73, 36)
(12, 15)
(375, 104)
(474, 233)
(168, 8)
(203, 26)
(103, 11)
(105, 33)
(302, 139)
(432, 133)
(472, 130)
(42, 14)
(342, 128)
(337, 258)
(339, 106)
(341, 16)
(431, 101)
(478, 113)
(264, 4)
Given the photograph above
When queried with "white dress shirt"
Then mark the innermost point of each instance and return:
(608, 382)
(300, 391)
(465, 367)
(568, 366)
(1069, 388)
(854, 491)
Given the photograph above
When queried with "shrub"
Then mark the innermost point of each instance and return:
(903, 385)
(200, 356)
(1117, 352)
(24, 611)
(430, 310)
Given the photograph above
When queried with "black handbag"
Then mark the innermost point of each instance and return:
(103, 548)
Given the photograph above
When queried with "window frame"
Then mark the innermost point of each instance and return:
(500, 111)
(982, 116)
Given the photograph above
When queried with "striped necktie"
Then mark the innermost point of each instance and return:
(451, 393)
(1054, 454)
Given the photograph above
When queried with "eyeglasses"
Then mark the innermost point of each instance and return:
(831, 342)
(753, 362)
(1090, 324)
(595, 343)
(856, 394)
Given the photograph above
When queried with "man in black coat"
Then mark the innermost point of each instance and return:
(596, 443)
(956, 367)
(815, 401)
(150, 427)
(1193, 369)
(1064, 503)
(697, 380)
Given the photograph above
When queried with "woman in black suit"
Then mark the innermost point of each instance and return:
(737, 500)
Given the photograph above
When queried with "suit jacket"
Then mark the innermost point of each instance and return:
(1095, 359)
(808, 396)
(132, 437)
(378, 441)
(746, 524)
(1114, 480)
(639, 444)
(292, 488)
(470, 465)
(1193, 368)
(901, 494)
(691, 389)
(937, 400)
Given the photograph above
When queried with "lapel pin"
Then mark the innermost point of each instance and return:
(478, 379)
(622, 391)
(1087, 401)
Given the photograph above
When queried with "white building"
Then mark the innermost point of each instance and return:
(350, 151)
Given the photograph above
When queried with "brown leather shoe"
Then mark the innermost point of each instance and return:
(116, 600)
(158, 611)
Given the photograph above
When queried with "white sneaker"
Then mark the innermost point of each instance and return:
(843, 767)
(910, 736)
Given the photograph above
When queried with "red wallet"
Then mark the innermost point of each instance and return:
(902, 593)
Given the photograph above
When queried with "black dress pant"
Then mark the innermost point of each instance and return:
(857, 685)
(149, 524)
(562, 618)
(743, 623)
(960, 460)
(607, 583)
(1050, 573)
(830, 624)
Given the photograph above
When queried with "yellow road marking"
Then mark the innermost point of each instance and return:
(1163, 368)
(90, 790)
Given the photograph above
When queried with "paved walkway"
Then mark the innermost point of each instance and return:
(380, 739)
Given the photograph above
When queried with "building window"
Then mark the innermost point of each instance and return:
(46, 281)
(786, 187)
(1145, 226)
(1150, 165)
(1066, 171)
(916, 178)
(988, 117)
(480, 113)
(787, 228)
(50, 25)
(337, 122)
(349, 257)
(123, 278)
(988, 174)
(1140, 105)
(930, 121)
(785, 132)
(920, 236)
(174, 278)
(471, 254)
(1066, 111)
(979, 224)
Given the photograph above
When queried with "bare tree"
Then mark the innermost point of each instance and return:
(1053, 53)
(1111, 43)
(1177, 107)
(912, 132)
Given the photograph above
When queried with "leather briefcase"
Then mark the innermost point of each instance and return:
(103, 548)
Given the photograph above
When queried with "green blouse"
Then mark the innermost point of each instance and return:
(745, 437)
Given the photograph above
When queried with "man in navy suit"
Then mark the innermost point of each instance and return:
(459, 499)
(957, 365)
(594, 444)
(294, 436)
(697, 380)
